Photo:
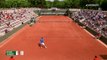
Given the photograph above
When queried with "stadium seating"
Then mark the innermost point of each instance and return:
(94, 19)
(13, 18)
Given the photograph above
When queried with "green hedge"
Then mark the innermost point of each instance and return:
(91, 31)
(79, 23)
(103, 39)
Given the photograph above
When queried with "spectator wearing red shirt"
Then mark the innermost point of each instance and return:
(96, 58)
(11, 58)
(98, 35)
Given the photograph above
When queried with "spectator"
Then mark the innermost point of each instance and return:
(13, 18)
(11, 58)
(96, 58)
(95, 20)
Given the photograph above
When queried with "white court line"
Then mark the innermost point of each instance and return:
(69, 18)
(11, 37)
(96, 39)
(73, 28)
(38, 18)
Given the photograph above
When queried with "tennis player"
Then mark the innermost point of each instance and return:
(42, 44)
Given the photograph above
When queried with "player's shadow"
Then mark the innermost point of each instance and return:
(39, 44)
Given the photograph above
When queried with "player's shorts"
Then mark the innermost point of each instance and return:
(42, 43)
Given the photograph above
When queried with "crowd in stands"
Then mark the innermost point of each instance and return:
(13, 18)
(94, 19)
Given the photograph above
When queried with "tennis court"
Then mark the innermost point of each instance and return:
(65, 40)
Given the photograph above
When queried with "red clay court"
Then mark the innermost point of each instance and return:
(65, 40)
